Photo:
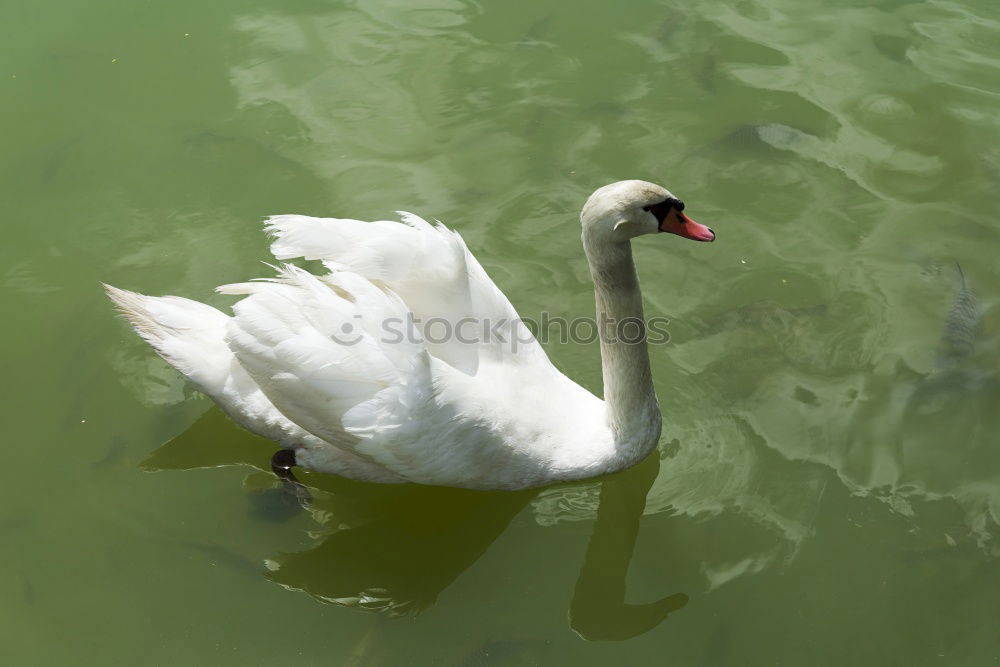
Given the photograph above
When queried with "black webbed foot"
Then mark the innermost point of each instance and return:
(281, 464)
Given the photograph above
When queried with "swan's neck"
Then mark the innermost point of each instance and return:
(633, 411)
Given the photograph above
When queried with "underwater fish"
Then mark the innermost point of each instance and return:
(960, 326)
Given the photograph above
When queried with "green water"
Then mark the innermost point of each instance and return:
(829, 489)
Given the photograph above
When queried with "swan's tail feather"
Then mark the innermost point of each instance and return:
(189, 335)
(132, 306)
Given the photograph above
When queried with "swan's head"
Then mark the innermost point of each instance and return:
(621, 211)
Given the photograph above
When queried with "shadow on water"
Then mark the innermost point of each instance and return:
(395, 548)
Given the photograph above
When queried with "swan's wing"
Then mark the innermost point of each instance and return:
(462, 316)
(313, 346)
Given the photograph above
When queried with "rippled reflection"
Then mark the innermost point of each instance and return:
(396, 548)
(598, 609)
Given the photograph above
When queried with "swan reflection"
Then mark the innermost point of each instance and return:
(598, 609)
(395, 548)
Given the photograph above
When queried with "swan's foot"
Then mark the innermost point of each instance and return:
(281, 464)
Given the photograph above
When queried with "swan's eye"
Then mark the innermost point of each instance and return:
(661, 210)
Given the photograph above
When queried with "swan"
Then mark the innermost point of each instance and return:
(352, 374)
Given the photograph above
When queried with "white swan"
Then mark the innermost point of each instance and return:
(325, 366)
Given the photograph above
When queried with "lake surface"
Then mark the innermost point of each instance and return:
(827, 490)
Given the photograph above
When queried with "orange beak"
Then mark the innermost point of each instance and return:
(676, 222)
